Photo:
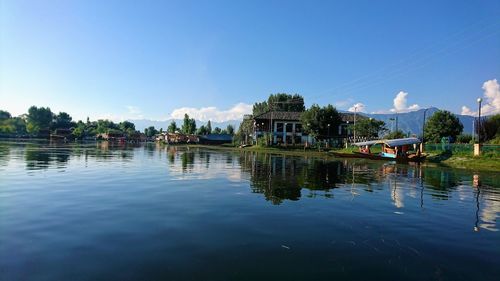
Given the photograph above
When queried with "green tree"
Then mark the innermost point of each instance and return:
(39, 119)
(230, 129)
(189, 125)
(395, 135)
(202, 130)
(489, 127)
(79, 130)
(209, 127)
(280, 102)
(62, 120)
(172, 127)
(245, 131)
(217, 130)
(442, 124)
(464, 138)
(150, 131)
(4, 115)
(6, 124)
(105, 126)
(127, 127)
(369, 127)
(317, 120)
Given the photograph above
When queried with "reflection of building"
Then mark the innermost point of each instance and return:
(286, 127)
(281, 178)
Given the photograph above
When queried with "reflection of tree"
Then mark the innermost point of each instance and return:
(280, 178)
(323, 175)
(440, 180)
(271, 176)
(171, 151)
(37, 158)
(4, 153)
(187, 159)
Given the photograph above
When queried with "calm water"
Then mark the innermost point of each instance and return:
(102, 212)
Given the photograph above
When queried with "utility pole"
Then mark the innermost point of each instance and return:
(423, 132)
(479, 100)
(355, 109)
(477, 146)
(396, 121)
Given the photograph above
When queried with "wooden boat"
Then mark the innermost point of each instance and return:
(395, 149)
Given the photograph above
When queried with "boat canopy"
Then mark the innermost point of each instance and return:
(369, 143)
(392, 143)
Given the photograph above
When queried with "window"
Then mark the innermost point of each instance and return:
(298, 128)
(279, 127)
(289, 127)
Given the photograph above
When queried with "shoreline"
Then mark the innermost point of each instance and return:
(470, 163)
(461, 161)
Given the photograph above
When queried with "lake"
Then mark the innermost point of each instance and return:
(150, 212)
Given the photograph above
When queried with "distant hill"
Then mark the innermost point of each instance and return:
(141, 124)
(412, 121)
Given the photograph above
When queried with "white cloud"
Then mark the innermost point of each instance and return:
(133, 109)
(133, 113)
(491, 100)
(213, 113)
(358, 107)
(468, 111)
(343, 103)
(400, 102)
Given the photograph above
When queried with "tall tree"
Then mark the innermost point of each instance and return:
(318, 121)
(369, 127)
(442, 124)
(39, 119)
(280, 102)
(230, 129)
(189, 125)
(127, 127)
(150, 131)
(488, 128)
(202, 130)
(172, 127)
(245, 130)
(395, 135)
(62, 120)
(209, 127)
(4, 115)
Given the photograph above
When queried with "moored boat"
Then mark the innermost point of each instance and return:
(403, 150)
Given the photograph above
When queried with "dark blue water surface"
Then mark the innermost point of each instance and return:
(149, 212)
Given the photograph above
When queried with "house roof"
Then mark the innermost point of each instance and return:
(295, 116)
(392, 143)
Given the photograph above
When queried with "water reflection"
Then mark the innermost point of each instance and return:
(279, 178)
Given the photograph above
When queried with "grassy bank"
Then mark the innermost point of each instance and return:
(488, 161)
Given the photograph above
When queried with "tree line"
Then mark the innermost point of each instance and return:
(189, 127)
(41, 121)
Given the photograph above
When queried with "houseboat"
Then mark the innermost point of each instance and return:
(405, 149)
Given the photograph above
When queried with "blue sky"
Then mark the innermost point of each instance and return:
(213, 59)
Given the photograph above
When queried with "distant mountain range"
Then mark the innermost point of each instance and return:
(412, 121)
(407, 122)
